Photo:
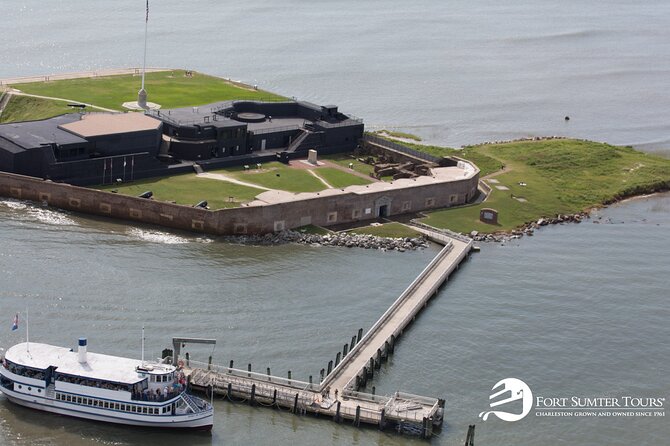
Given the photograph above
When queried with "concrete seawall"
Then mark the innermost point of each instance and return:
(272, 212)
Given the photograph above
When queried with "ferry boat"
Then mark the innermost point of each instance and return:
(101, 387)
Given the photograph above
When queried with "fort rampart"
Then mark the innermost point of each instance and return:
(330, 207)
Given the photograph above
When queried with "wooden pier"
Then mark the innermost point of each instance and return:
(337, 395)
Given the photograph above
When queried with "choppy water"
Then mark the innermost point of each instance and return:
(577, 309)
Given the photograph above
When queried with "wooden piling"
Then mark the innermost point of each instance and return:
(353, 343)
(382, 419)
(345, 350)
(188, 360)
(360, 335)
(357, 420)
(295, 403)
(269, 375)
(209, 363)
(274, 397)
(338, 417)
(337, 359)
(330, 367)
(229, 391)
(249, 370)
(252, 400)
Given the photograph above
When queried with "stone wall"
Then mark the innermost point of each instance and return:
(323, 210)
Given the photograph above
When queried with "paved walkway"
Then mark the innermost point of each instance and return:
(222, 177)
(316, 175)
(399, 314)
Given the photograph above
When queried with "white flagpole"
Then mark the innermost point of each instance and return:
(146, 28)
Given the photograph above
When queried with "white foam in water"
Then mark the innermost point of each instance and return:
(157, 236)
(49, 216)
(14, 204)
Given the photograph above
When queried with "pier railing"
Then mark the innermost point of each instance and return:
(387, 314)
(261, 377)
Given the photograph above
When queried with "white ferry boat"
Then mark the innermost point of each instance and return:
(100, 387)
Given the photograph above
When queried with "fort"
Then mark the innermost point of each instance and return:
(49, 160)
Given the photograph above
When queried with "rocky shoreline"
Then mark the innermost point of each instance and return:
(529, 228)
(335, 239)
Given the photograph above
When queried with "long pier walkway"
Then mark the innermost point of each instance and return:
(337, 395)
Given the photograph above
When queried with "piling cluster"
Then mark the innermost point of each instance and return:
(343, 239)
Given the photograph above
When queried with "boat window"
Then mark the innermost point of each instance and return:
(20, 386)
(79, 400)
(106, 405)
(144, 410)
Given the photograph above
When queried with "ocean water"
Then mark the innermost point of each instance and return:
(576, 310)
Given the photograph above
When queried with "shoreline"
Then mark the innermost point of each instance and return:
(529, 228)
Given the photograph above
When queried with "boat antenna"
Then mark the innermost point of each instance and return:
(27, 332)
(142, 345)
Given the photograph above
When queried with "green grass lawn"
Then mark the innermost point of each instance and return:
(188, 190)
(339, 178)
(169, 88)
(344, 159)
(26, 108)
(561, 176)
(276, 175)
(393, 230)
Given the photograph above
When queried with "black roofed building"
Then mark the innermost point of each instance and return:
(99, 148)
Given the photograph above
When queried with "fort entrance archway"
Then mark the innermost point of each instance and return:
(383, 207)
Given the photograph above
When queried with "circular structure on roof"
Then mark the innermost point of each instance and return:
(250, 117)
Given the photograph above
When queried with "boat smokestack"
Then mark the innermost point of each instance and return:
(82, 350)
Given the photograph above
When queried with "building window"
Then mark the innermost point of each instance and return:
(453, 198)
(406, 205)
(279, 226)
(368, 211)
(430, 202)
(332, 217)
(356, 213)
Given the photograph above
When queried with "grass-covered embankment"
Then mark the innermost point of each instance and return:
(549, 177)
(26, 108)
(170, 89)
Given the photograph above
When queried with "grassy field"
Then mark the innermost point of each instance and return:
(188, 189)
(26, 108)
(276, 175)
(169, 88)
(555, 176)
(393, 230)
(339, 178)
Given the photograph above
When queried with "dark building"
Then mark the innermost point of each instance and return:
(99, 148)
(235, 128)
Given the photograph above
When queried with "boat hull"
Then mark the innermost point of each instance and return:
(202, 421)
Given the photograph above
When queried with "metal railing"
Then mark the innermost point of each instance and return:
(387, 314)
(261, 377)
(446, 232)
(400, 148)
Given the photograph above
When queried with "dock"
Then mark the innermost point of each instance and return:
(336, 394)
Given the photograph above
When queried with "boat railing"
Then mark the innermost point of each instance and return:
(155, 397)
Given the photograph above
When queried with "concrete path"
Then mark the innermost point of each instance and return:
(222, 177)
(316, 175)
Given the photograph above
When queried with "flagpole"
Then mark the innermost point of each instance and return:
(146, 29)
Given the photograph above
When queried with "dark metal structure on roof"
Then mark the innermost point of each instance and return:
(103, 148)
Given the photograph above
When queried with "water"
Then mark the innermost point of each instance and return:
(577, 309)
